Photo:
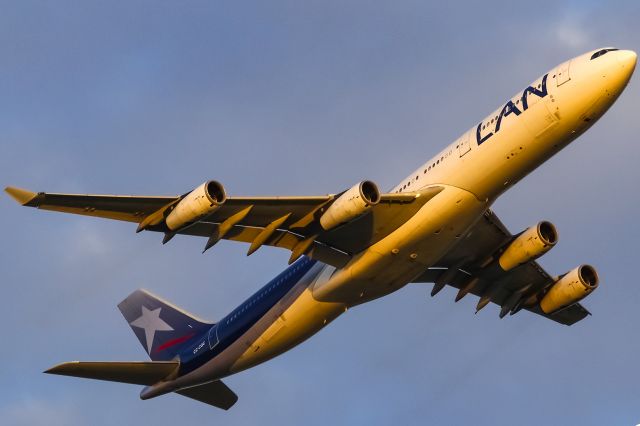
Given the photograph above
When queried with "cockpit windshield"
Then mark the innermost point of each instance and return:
(602, 52)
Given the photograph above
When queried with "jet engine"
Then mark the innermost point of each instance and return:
(530, 245)
(200, 202)
(352, 204)
(571, 288)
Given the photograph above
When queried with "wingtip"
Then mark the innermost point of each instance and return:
(60, 368)
(51, 370)
(22, 196)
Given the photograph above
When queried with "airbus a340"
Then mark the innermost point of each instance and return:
(436, 227)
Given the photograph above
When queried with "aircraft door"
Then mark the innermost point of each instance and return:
(541, 117)
(213, 337)
(463, 144)
(562, 73)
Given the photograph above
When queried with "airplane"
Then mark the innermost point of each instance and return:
(349, 248)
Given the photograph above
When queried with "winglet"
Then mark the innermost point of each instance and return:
(22, 196)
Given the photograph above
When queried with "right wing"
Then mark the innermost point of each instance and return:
(463, 268)
(291, 223)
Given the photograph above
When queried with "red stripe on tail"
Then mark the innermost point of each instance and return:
(174, 342)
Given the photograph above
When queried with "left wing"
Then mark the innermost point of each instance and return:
(293, 223)
(469, 267)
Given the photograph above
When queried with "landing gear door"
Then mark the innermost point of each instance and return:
(463, 144)
(562, 73)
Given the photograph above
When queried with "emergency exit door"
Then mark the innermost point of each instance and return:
(464, 145)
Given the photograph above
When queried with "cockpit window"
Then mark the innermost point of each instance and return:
(602, 52)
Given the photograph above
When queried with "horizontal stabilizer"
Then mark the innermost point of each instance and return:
(214, 393)
(136, 373)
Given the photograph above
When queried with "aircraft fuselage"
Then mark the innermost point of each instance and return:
(474, 170)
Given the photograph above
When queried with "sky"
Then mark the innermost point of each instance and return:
(304, 98)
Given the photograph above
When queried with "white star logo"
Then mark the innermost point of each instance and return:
(151, 322)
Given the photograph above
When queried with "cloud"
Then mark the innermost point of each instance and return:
(572, 34)
(86, 241)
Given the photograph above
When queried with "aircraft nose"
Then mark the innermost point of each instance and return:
(627, 58)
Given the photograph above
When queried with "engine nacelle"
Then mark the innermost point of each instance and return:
(569, 289)
(530, 245)
(350, 205)
(200, 202)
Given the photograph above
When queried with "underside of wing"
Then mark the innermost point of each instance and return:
(329, 228)
(302, 233)
(499, 267)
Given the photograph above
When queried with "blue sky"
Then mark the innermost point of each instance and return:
(276, 98)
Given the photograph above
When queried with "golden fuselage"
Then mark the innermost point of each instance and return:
(474, 170)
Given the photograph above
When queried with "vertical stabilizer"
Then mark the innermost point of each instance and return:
(162, 328)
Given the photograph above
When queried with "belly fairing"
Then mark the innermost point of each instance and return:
(394, 261)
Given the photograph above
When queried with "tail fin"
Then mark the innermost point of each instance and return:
(161, 327)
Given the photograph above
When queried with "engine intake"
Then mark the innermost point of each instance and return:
(571, 288)
(530, 245)
(200, 202)
(352, 204)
